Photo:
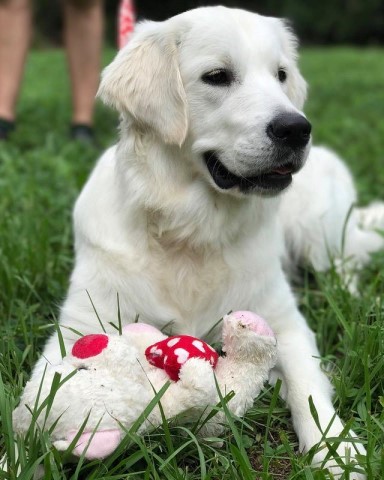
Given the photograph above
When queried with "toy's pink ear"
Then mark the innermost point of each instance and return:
(254, 322)
(139, 328)
(98, 445)
(89, 346)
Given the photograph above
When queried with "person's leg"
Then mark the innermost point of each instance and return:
(83, 38)
(15, 34)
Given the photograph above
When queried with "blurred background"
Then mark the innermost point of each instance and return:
(42, 171)
(316, 22)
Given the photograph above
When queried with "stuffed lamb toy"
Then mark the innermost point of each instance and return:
(108, 381)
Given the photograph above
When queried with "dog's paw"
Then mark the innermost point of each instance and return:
(338, 450)
(341, 459)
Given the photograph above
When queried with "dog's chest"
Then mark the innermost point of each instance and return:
(187, 278)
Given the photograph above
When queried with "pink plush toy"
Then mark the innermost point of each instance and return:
(109, 380)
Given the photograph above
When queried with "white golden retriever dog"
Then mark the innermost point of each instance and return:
(193, 212)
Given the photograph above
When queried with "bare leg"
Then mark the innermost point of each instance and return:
(15, 34)
(83, 37)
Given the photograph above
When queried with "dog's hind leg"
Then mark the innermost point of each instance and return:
(371, 217)
(360, 241)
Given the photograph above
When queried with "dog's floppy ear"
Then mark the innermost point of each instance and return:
(297, 86)
(144, 80)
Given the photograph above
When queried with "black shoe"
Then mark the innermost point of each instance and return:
(82, 133)
(6, 128)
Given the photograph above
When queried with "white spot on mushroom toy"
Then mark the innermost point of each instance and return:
(108, 379)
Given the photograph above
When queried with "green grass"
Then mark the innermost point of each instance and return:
(40, 175)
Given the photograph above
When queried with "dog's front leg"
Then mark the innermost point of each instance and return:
(299, 369)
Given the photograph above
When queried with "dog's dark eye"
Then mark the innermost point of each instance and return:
(282, 75)
(219, 77)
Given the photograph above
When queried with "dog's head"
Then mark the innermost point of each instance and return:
(223, 83)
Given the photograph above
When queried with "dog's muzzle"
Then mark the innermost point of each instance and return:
(290, 134)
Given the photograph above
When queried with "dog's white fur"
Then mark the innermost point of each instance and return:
(151, 225)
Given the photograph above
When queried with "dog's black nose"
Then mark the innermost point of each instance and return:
(290, 129)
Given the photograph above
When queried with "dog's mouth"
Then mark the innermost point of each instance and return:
(269, 182)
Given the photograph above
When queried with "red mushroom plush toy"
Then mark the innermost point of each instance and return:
(108, 380)
(171, 353)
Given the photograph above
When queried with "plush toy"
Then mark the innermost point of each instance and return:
(108, 380)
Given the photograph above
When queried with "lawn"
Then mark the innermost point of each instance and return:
(41, 173)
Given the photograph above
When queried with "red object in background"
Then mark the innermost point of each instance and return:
(171, 353)
(126, 22)
(90, 345)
